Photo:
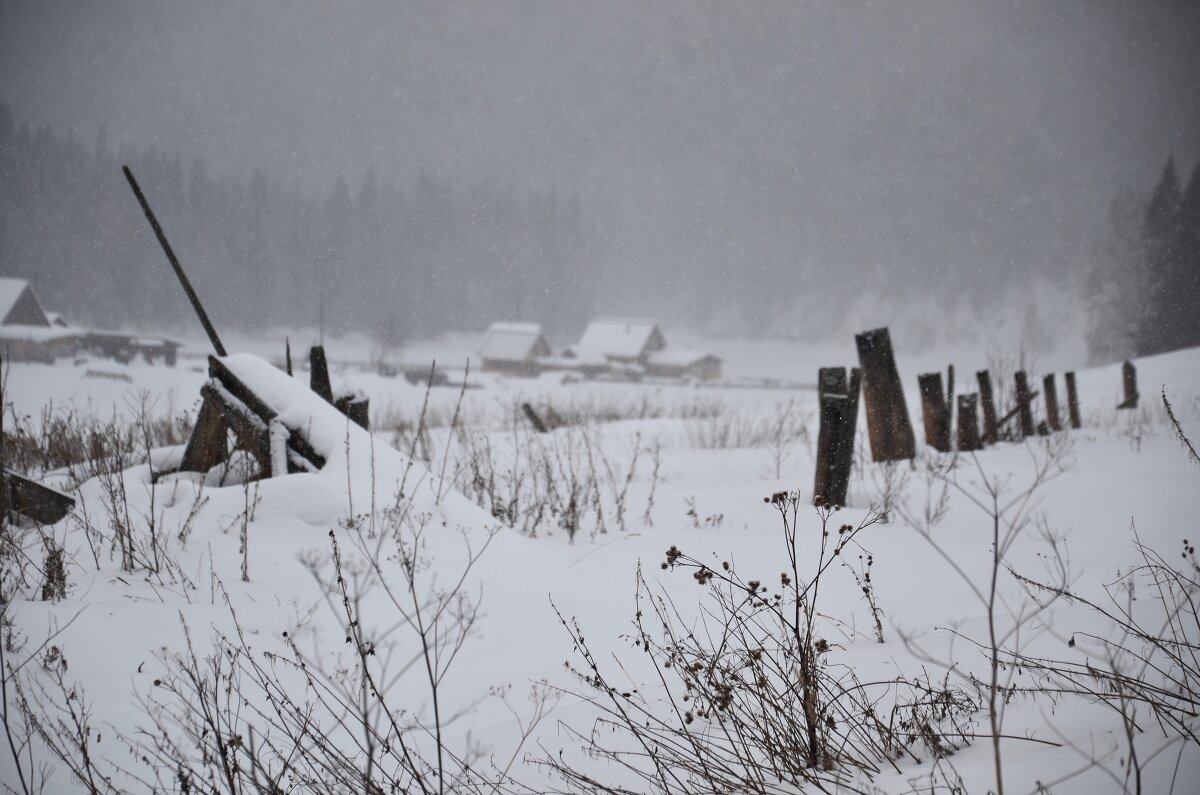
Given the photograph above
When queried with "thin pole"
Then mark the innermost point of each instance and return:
(166, 247)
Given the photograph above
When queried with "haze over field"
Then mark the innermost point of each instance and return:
(736, 167)
(600, 396)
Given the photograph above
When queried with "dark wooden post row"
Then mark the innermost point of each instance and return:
(935, 411)
(1051, 391)
(1072, 401)
(988, 404)
(835, 439)
(1024, 404)
(1129, 378)
(888, 426)
(968, 424)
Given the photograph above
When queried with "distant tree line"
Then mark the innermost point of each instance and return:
(1145, 286)
(392, 261)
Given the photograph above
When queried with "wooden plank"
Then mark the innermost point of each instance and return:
(1072, 402)
(318, 373)
(851, 425)
(1129, 380)
(888, 425)
(1050, 390)
(949, 402)
(31, 499)
(831, 397)
(226, 378)
(1024, 404)
(358, 411)
(171, 258)
(835, 439)
(533, 418)
(297, 443)
(935, 412)
(988, 404)
(968, 424)
(206, 446)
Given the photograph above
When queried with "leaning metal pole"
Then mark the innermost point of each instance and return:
(166, 247)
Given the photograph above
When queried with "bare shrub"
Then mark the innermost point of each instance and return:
(749, 696)
(82, 446)
(326, 719)
(563, 479)
(1011, 512)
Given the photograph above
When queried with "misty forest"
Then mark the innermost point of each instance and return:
(621, 397)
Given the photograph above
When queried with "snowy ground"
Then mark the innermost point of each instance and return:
(720, 452)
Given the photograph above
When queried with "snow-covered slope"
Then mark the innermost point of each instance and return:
(264, 551)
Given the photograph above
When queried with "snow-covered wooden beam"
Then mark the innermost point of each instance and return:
(230, 405)
(31, 499)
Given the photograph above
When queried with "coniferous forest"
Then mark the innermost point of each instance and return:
(398, 261)
(393, 261)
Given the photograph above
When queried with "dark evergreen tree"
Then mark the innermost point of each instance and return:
(1160, 241)
(1186, 277)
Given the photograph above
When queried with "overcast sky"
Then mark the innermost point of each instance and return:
(729, 145)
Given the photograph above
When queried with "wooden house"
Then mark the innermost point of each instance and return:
(631, 349)
(620, 340)
(514, 349)
(26, 332)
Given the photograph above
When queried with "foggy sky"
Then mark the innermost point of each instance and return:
(725, 151)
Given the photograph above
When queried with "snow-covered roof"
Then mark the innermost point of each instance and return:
(15, 332)
(620, 338)
(19, 305)
(513, 342)
(677, 357)
(57, 319)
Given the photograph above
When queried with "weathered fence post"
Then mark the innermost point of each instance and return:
(888, 426)
(851, 424)
(206, 447)
(835, 439)
(318, 373)
(968, 424)
(949, 403)
(1072, 402)
(174, 261)
(1129, 377)
(356, 408)
(935, 411)
(1024, 401)
(1051, 392)
(988, 405)
(533, 418)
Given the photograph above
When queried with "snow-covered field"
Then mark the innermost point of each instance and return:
(654, 466)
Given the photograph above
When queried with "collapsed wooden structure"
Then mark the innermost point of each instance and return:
(230, 406)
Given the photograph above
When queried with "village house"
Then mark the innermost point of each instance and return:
(619, 340)
(26, 332)
(514, 349)
(631, 348)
